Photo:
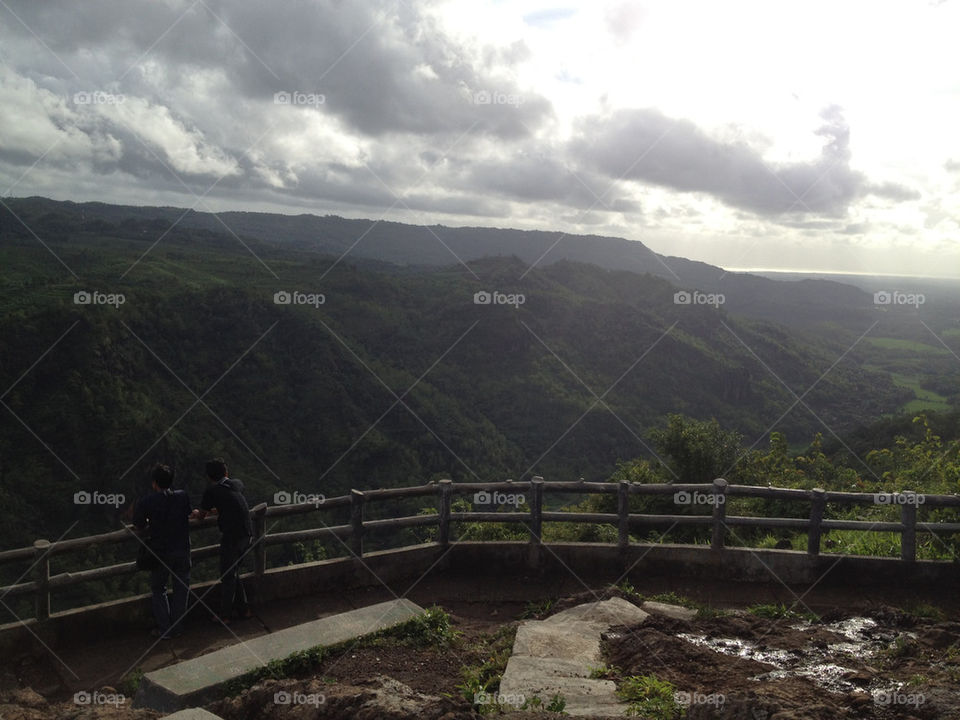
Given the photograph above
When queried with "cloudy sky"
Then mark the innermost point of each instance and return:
(795, 135)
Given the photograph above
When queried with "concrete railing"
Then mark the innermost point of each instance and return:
(42, 584)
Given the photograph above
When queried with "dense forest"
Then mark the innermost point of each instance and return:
(127, 342)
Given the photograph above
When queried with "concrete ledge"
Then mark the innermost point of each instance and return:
(500, 559)
(133, 614)
(199, 681)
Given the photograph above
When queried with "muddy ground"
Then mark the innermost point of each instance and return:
(880, 665)
(868, 662)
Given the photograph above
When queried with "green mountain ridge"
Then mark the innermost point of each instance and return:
(796, 303)
(395, 379)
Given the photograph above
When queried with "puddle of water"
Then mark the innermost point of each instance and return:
(829, 676)
(741, 648)
(863, 639)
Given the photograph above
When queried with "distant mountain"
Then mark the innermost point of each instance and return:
(395, 378)
(796, 303)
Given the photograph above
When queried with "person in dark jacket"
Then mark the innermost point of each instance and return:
(224, 496)
(163, 517)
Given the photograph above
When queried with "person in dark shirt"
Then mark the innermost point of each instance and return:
(164, 517)
(224, 496)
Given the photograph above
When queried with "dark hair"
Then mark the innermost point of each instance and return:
(162, 476)
(216, 469)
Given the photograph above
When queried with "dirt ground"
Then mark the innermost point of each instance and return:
(907, 668)
(899, 666)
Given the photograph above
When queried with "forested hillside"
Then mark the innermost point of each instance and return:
(369, 377)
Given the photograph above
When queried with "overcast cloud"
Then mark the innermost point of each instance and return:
(615, 118)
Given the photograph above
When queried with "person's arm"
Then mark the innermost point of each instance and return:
(206, 505)
(140, 516)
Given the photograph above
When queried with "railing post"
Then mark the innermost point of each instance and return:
(356, 523)
(259, 539)
(42, 570)
(443, 531)
(535, 553)
(719, 512)
(623, 515)
(536, 510)
(908, 536)
(818, 503)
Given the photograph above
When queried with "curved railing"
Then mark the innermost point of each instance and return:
(42, 584)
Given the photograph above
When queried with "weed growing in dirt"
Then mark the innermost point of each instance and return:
(557, 704)
(671, 598)
(650, 697)
(484, 677)
(605, 672)
(432, 629)
(925, 611)
(902, 647)
(129, 684)
(779, 611)
(538, 610)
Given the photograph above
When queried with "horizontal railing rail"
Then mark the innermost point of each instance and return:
(42, 583)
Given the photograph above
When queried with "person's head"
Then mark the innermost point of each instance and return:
(216, 469)
(162, 476)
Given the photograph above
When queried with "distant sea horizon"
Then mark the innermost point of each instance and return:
(854, 273)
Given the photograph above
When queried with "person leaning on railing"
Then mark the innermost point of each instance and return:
(224, 498)
(164, 517)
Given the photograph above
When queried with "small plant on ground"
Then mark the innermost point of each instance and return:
(650, 697)
(432, 629)
(925, 611)
(902, 647)
(538, 610)
(671, 598)
(130, 683)
(482, 679)
(627, 588)
(707, 612)
(779, 611)
(604, 672)
(556, 704)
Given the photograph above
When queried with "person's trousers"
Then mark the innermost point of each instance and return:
(169, 612)
(233, 597)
